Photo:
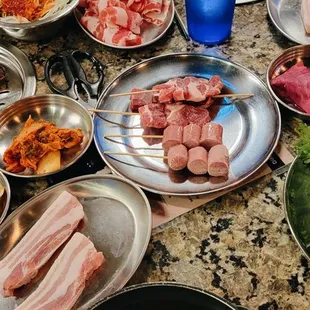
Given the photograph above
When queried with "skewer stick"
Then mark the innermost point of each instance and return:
(113, 112)
(135, 136)
(156, 91)
(135, 155)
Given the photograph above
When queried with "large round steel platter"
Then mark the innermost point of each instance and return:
(251, 126)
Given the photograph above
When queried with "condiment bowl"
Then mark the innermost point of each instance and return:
(40, 29)
(282, 63)
(63, 111)
(5, 198)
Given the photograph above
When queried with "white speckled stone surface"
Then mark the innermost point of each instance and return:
(238, 246)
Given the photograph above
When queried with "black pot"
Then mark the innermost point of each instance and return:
(163, 296)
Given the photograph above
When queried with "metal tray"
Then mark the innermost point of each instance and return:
(286, 16)
(118, 221)
(150, 33)
(297, 203)
(20, 72)
(251, 127)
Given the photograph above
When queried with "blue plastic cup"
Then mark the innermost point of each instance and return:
(209, 21)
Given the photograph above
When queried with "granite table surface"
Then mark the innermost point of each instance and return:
(238, 246)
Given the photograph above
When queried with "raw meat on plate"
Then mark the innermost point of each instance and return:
(53, 228)
(65, 281)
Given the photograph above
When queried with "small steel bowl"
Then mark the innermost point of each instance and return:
(63, 111)
(5, 199)
(40, 29)
(150, 35)
(282, 63)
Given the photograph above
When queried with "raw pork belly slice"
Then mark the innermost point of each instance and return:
(53, 228)
(65, 281)
(293, 86)
(156, 11)
(153, 115)
(92, 23)
(139, 100)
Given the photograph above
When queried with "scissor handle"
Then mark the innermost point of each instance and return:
(93, 88)
(70, 90)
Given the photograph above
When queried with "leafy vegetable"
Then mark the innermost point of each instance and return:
(302, 146)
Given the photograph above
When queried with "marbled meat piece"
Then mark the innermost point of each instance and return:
(53, 228)
(139, 100)
(293, 86)
(153, 115)
(65, 281)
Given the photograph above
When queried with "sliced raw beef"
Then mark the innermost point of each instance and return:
(198, 116)
(65, 281)
(165, 92)
(53, 228)
(294, 86)
(153, 115)
(139, 100)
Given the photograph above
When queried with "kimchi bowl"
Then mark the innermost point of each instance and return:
(59, 132)
(46, 26)
(281, 64)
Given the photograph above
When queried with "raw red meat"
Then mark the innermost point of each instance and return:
(153, 115)
(139, 100)
(293, 86)
(198, 116)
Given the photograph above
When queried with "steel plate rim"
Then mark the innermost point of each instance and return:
(29, 75)
(303, 114)
(89, 177)
(164, 283)
(8, 195)
(285, 193)
(127, 47)
(38, 176)
(279, 28)
(233, 185)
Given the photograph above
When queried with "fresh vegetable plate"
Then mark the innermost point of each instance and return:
(297, 203)
(251, 126)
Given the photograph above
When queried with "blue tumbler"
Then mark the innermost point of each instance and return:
(209, 21)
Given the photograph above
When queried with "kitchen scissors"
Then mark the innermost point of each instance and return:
(76, 77)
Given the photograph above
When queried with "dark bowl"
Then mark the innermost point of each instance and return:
(163, 296)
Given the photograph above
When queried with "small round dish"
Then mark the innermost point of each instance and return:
(20, 75)
(164, 296)
(297, 203)
(282, 63)
(40, 29)
(149, 34)
(286, 16)
(5, 198)
(63, 111)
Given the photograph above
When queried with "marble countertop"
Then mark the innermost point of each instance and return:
(238, 246)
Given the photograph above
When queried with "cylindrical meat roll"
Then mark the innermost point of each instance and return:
(218, 161)
(198, 160)
(191, 135)
(173, 135)
(211, 135)
(177, 157)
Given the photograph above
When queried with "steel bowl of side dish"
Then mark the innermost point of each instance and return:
(38, 21)
(42, 135)
(121, 25)
(288, 77)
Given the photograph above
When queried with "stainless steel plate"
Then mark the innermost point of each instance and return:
(118, 221)
(5, 199)
(297, 203)
(286, 16)
(20, 74)
(150, 33)
(282, 63)
(251, 127)
(63, 111)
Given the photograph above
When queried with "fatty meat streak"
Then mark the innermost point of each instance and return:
(37, 139)
(65, 281)
(32, 10)
(53, 228)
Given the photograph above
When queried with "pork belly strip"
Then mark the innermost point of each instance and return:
(53, 228)
(65, 281)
